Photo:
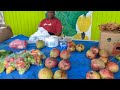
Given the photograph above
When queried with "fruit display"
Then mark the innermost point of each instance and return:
(21, 65)
(80, 47)
(97, 64)
(21, 61)
(90, 54)
(106, 74)
(45, 73)
(9, 63)
(104, 59)
(103, 53)
(36, 57)
(54, 53)
(64, 65)
(18, 44)
(95, 50)
(60, 74)
(51, 62)
(113, 67)
(71, 43)
(92, 75)
(40, 44)
(102, 64)
(71, 48)
(65, 54)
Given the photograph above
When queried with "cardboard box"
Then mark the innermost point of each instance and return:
(110, 41)
(5, 32)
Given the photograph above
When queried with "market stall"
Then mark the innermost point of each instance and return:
(61, 48)
(80, 64)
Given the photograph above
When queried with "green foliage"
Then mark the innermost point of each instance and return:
(68, 20)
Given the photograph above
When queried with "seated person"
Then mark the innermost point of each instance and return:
(52, 24)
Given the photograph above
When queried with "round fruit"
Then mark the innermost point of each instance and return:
(64, 65)
(45, 73)
(71, 43)
(65, 54)
(54, 53)
(113, 67)
(117, 57)
(60, 74)
(71, 48)
(92, 75)
(106, 74)
(51, 62)
(103, 53)
(97, 64)
(104, 59)
(90, 54)
(40, 44)
(80, 47)
(95, 50)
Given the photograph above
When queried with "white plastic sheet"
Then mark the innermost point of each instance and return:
(39, 35)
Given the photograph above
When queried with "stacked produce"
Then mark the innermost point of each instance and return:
(71, 46)
(37, 57)
(21, 61)
(102, 67)
(18, 44)
(9, 63)
(110, 27)
(3, 54)
(60, 74)
(52, 62)
(63, 65)
(22, 65)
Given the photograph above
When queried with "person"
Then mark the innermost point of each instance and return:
(52, 24)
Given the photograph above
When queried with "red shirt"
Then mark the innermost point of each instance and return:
(52, 25)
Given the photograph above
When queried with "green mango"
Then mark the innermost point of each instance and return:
(40, 44)
(2, 68)
(118, 57)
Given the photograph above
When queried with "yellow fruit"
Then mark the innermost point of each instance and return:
(78, 36)
(86, 38)
(45, 73)
(59, 74)
(5, 62)
(9, 69)
(84, 23)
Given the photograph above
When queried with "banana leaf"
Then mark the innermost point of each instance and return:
(68, 20)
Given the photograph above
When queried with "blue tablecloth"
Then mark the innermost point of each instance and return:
(80, 64)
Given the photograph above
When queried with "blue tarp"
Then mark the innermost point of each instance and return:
(80, 64)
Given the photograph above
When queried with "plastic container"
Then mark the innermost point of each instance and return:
(63, 44)
(52, 41)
